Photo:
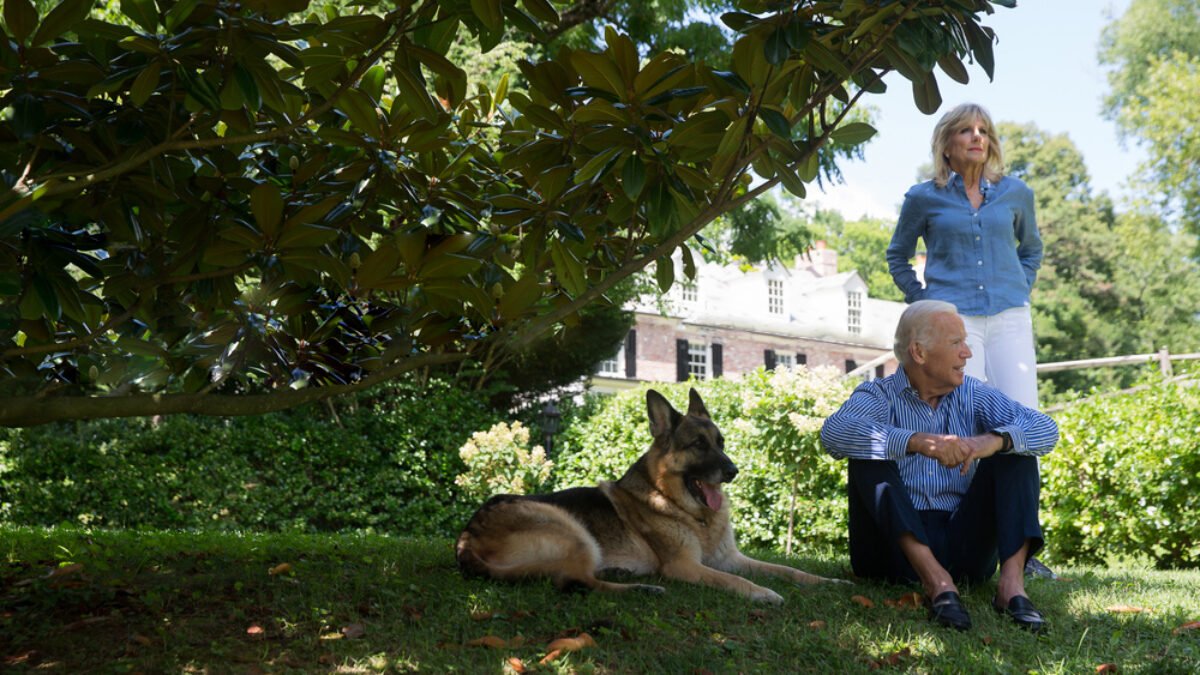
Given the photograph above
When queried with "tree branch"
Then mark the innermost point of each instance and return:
(27, 411)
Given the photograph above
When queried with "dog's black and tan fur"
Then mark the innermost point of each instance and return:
(666, 515)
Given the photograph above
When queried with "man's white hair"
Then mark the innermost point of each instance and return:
(916, 325)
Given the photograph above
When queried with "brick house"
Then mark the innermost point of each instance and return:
(729, 321)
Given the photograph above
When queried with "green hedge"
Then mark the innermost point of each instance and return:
(1124, 480)
(771, 423)
(386, 463)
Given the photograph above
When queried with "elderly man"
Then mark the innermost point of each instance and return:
(943, 474)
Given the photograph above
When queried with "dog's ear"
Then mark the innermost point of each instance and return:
(696, 405)
(663, 417)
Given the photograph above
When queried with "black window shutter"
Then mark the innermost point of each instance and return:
(681, 360)
(716, 358)
(801, 359)
(631, 354)
(850, 365)
(769, 359)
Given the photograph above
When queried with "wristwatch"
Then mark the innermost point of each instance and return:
(1005, 440)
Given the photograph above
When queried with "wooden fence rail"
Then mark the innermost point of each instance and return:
(1163, 356)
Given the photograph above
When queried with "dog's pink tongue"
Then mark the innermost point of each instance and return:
(712, 496)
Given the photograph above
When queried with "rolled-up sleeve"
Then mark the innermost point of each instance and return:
(903, 247)
(1029, 240)
(1033, 432)
(862, 429)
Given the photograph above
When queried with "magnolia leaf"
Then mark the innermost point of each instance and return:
(950, 65)
(266, 203)
(776, 49)
(776, 122)
(853, 133)
(633, 177)
(63, 18)
(664, 273)
(21, 17)
(926, 94)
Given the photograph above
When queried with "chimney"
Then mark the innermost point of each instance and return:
(820, 259)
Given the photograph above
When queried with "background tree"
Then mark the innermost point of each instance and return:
(1154, 52)
(1109, 284)
(232, 208)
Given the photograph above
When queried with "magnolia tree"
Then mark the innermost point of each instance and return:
(231, 208)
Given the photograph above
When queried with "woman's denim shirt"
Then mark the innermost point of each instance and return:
(983, 260)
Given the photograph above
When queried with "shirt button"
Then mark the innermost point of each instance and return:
(980, 262)
(976, 237)
(981, 287)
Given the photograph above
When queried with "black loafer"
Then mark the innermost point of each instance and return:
(947, 610)
(1022, 612)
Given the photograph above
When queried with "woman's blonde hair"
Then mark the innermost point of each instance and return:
(951, 122)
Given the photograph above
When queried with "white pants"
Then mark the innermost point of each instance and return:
(1002, 353)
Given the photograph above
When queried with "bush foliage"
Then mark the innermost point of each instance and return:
(1124, 480)
(1121, 483)
(387, 463)
(770, 421)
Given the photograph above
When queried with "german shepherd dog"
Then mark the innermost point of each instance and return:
(666, 516)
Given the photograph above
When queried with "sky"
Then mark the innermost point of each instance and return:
(1046, 73)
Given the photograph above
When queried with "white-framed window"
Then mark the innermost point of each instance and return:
(615, 366)
(689, 292)
(854, 303)
(775, 296)
(698, 360)
(784, 360)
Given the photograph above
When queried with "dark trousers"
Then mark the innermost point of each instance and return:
(997, 515)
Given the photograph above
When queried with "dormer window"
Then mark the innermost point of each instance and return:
(854, 303)
(775, 296)
(688, 292)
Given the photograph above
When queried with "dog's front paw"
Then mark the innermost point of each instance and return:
(845, 582)
(767, 595)
(648, 588)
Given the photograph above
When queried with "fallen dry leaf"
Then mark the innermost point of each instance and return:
(572, 644)
(281, 568)
(817, 624)
(863, 600)
(550, 657)
(895, 657)
(1126, 609)
(255, 631)
(1191, 625)
(987, 639)
(65, 570)
(516, 664)
(354, 631)
(141, 639)
(1107, 668)
(910, 600)
(482, 615)
(489, 641)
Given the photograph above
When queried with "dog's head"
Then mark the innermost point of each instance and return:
(690, 449)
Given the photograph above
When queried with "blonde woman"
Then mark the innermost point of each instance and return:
(983, 249)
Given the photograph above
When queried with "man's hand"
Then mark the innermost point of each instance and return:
(949, 450)
(983, 445)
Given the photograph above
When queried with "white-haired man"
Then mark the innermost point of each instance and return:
(943, 474)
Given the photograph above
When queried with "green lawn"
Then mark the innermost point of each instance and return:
(154, 602)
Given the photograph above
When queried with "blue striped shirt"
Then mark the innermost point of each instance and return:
(880, 417)
(983, 260)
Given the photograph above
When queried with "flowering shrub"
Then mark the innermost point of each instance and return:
(498, 463)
